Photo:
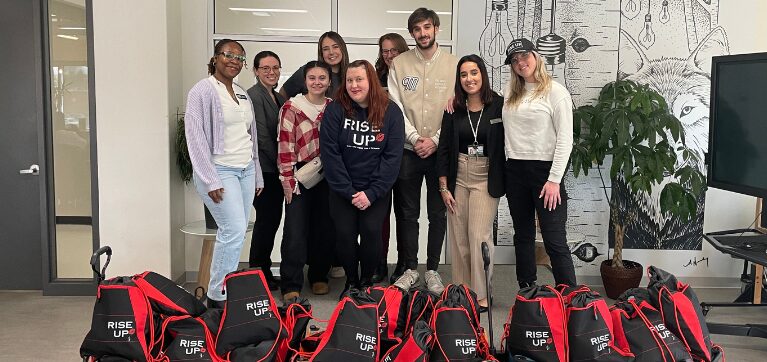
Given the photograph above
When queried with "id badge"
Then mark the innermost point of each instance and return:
(477, 150)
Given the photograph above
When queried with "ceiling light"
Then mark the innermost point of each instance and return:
(70, 37)
(411, 11)
(289, 29)
(71, 28)
(270, 10)
(260, 13)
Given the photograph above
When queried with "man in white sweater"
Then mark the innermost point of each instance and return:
(421, 81)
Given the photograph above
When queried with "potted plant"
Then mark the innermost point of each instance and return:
(184, 164)
(632, 123)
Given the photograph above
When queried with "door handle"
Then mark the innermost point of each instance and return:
(32, 170)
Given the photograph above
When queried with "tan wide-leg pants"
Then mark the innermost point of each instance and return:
(472, 223)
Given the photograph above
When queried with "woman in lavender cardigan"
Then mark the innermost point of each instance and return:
(221, 137)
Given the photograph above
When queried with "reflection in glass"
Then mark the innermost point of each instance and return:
(272, 17)
(371, 19)
(71, 138)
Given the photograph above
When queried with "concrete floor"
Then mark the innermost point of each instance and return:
(37, 328)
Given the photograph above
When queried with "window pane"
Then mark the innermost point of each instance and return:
(71, 139)
(272, 17)
(371, 19)
(292, 56)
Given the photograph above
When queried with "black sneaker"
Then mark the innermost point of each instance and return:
(523, 285)
(380, 274)
(349, 285)
(271, 281)
(398, 271)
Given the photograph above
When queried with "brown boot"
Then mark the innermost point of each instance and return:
(320, 288)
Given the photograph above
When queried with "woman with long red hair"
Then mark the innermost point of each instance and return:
(362, 140)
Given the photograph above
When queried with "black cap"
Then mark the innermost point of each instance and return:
(518, 46)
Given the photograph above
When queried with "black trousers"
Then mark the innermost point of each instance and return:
(524, 181)
(407, 209)
(351, 223)
(268, 216)
(307, 237)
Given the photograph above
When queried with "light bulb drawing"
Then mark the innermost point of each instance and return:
(496, 34)
(631, 9)
(647, 35)
(665, 16)
(552, 47)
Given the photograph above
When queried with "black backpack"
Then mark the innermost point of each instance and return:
(352, 333)
(537, 325)
(250, 314)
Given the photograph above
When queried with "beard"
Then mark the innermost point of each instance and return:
(428, 46)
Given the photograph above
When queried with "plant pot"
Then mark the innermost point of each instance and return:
(618, 280)
(210, 222)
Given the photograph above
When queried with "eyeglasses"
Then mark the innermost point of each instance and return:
(519, 56)
(391, 51)
(232, 56)
(266, 69)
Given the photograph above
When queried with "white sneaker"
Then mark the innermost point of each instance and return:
(337, 272)
(433, 282)
(407, 280)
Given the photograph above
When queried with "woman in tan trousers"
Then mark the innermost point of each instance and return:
(470, 165)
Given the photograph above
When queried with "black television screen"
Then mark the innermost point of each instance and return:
(738, 124)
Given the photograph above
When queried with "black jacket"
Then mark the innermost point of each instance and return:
(447, 151)
(267, 124)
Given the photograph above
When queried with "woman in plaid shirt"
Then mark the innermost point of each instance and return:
(308, 234)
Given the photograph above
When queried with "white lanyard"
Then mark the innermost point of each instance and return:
(474, 131)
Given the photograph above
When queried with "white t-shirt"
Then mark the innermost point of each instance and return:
(238, 143)
(540, 128)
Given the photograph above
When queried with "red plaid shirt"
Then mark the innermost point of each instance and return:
(299, 141)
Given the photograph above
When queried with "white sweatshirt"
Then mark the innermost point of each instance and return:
(541, 129)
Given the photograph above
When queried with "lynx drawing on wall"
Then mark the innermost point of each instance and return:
(685, 84)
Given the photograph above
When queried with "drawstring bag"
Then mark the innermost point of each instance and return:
(537, 327)
(186, 338)
(167, 297)
(250, 315)
(590, 329)
(352, 333)
(455, 336)
(389, 301)
(415, 347)
(639, 330)
(466, 297)
(295, 315)
(262, 352)
(417, 304)
(122, 324)
(680, 309)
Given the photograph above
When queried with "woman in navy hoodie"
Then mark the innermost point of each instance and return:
(362, 140)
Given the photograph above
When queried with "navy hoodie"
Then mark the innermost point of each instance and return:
(358, 158)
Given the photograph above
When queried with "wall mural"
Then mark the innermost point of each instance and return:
(586, 44)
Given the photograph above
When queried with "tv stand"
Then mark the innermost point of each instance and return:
(751, 246)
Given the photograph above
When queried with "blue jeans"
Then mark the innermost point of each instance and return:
(232, 215)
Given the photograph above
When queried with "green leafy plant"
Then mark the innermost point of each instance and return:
(632, 123)
(183, 161)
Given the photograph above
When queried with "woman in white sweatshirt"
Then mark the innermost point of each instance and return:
(538, 138)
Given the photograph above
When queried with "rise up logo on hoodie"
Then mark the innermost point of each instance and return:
(362, 135)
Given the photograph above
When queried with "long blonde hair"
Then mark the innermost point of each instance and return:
(516, 88)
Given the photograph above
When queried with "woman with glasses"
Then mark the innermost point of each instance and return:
(470, 165)
(362, 140)
(331, 49)
(538, 129)
(223, 145)
(266, 104)
(308, 233)
(389, 47)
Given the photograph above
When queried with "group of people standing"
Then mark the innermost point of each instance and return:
(342, 141)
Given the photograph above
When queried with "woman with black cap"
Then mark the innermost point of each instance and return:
(538, 132)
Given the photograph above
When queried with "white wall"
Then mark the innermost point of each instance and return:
(745, 29)
(133, 98)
